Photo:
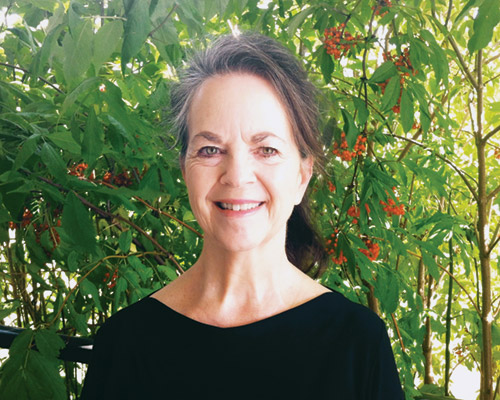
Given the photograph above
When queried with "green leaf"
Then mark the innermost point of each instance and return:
(53, 161)
(144, 272)
(350, 128)
(73, 261)
(407, 113)
(83, 87)
(169, 271)
(79, 321)
(384, 72)
(465, 10)
(65, 141)
(121, 286)
(487, 18)
(77, 48)
(125, 241)
(48, 343)
(89, 289)
(431, 265)
(29, 374)
(391, 95)
(298, 19)
(27, 150)
(78, 225)
(149, 187)
(105, 42)
(326, 64)
(495, 335)
(92, 141)
(136, 29)
(362, 112)
(5, 312)
(387, 290)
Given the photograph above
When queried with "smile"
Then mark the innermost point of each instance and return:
(238, 207)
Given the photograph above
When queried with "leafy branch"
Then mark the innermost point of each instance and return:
(28, 72)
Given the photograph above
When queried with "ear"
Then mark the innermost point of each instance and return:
(182, 160)
(306, 171)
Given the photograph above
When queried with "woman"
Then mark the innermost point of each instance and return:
(244, 321)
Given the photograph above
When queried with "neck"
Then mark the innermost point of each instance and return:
(241, 273)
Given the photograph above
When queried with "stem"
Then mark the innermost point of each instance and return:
(427, 344)
(448, 323)
(164, 20)
(14, 67)
(98, 263)
(398, 332)
(492, 195)
(484, 256)
(454, 278)
(462, 63)
(450, 163)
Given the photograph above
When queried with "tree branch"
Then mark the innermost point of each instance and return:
(398, 332)
(169, 216)
(450, 163)
(39, 77)
(493, 193)
(150, 34)
(454, 278)
(72, 290)
(462, 62)
(491, 133)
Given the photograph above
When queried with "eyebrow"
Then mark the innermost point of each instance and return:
(213, 137)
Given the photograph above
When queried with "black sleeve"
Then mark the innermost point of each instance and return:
(109, 368)
(384, 378)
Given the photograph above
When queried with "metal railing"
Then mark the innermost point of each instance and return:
(77, 349)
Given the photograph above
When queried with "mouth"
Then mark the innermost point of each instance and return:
(238, 207)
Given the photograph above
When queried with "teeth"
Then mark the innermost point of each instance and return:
(238, 207)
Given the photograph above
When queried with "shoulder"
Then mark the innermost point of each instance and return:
(355, 318)
(127, 321)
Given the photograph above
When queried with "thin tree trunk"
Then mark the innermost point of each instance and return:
(484, 256)
(426, 345)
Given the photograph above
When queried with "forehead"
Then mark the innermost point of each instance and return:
(237, 102)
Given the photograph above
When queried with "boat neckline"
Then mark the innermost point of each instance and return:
(265, 320)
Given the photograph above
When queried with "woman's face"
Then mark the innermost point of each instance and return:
(242, 168)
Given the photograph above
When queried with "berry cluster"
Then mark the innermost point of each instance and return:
(331, 187)
(497, 153)
(331, 249)
(355, 212)
(372, 250)
(27, 215)
(404, 67)
(381, 4)
(111, 283)
(122, 179)
(391, 208)
(54, 235)
(79, 171)
(343, 151)
(338, 41)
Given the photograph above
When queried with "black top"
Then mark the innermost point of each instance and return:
(326, 348)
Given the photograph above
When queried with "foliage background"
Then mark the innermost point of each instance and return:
(94, 214)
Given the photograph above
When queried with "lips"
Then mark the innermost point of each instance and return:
(237, 206)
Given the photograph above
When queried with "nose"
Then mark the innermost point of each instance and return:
(237, 170)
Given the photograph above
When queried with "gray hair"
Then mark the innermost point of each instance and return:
(261, 56)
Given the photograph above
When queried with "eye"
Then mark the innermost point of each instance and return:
(209, 151)
(268, 151)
